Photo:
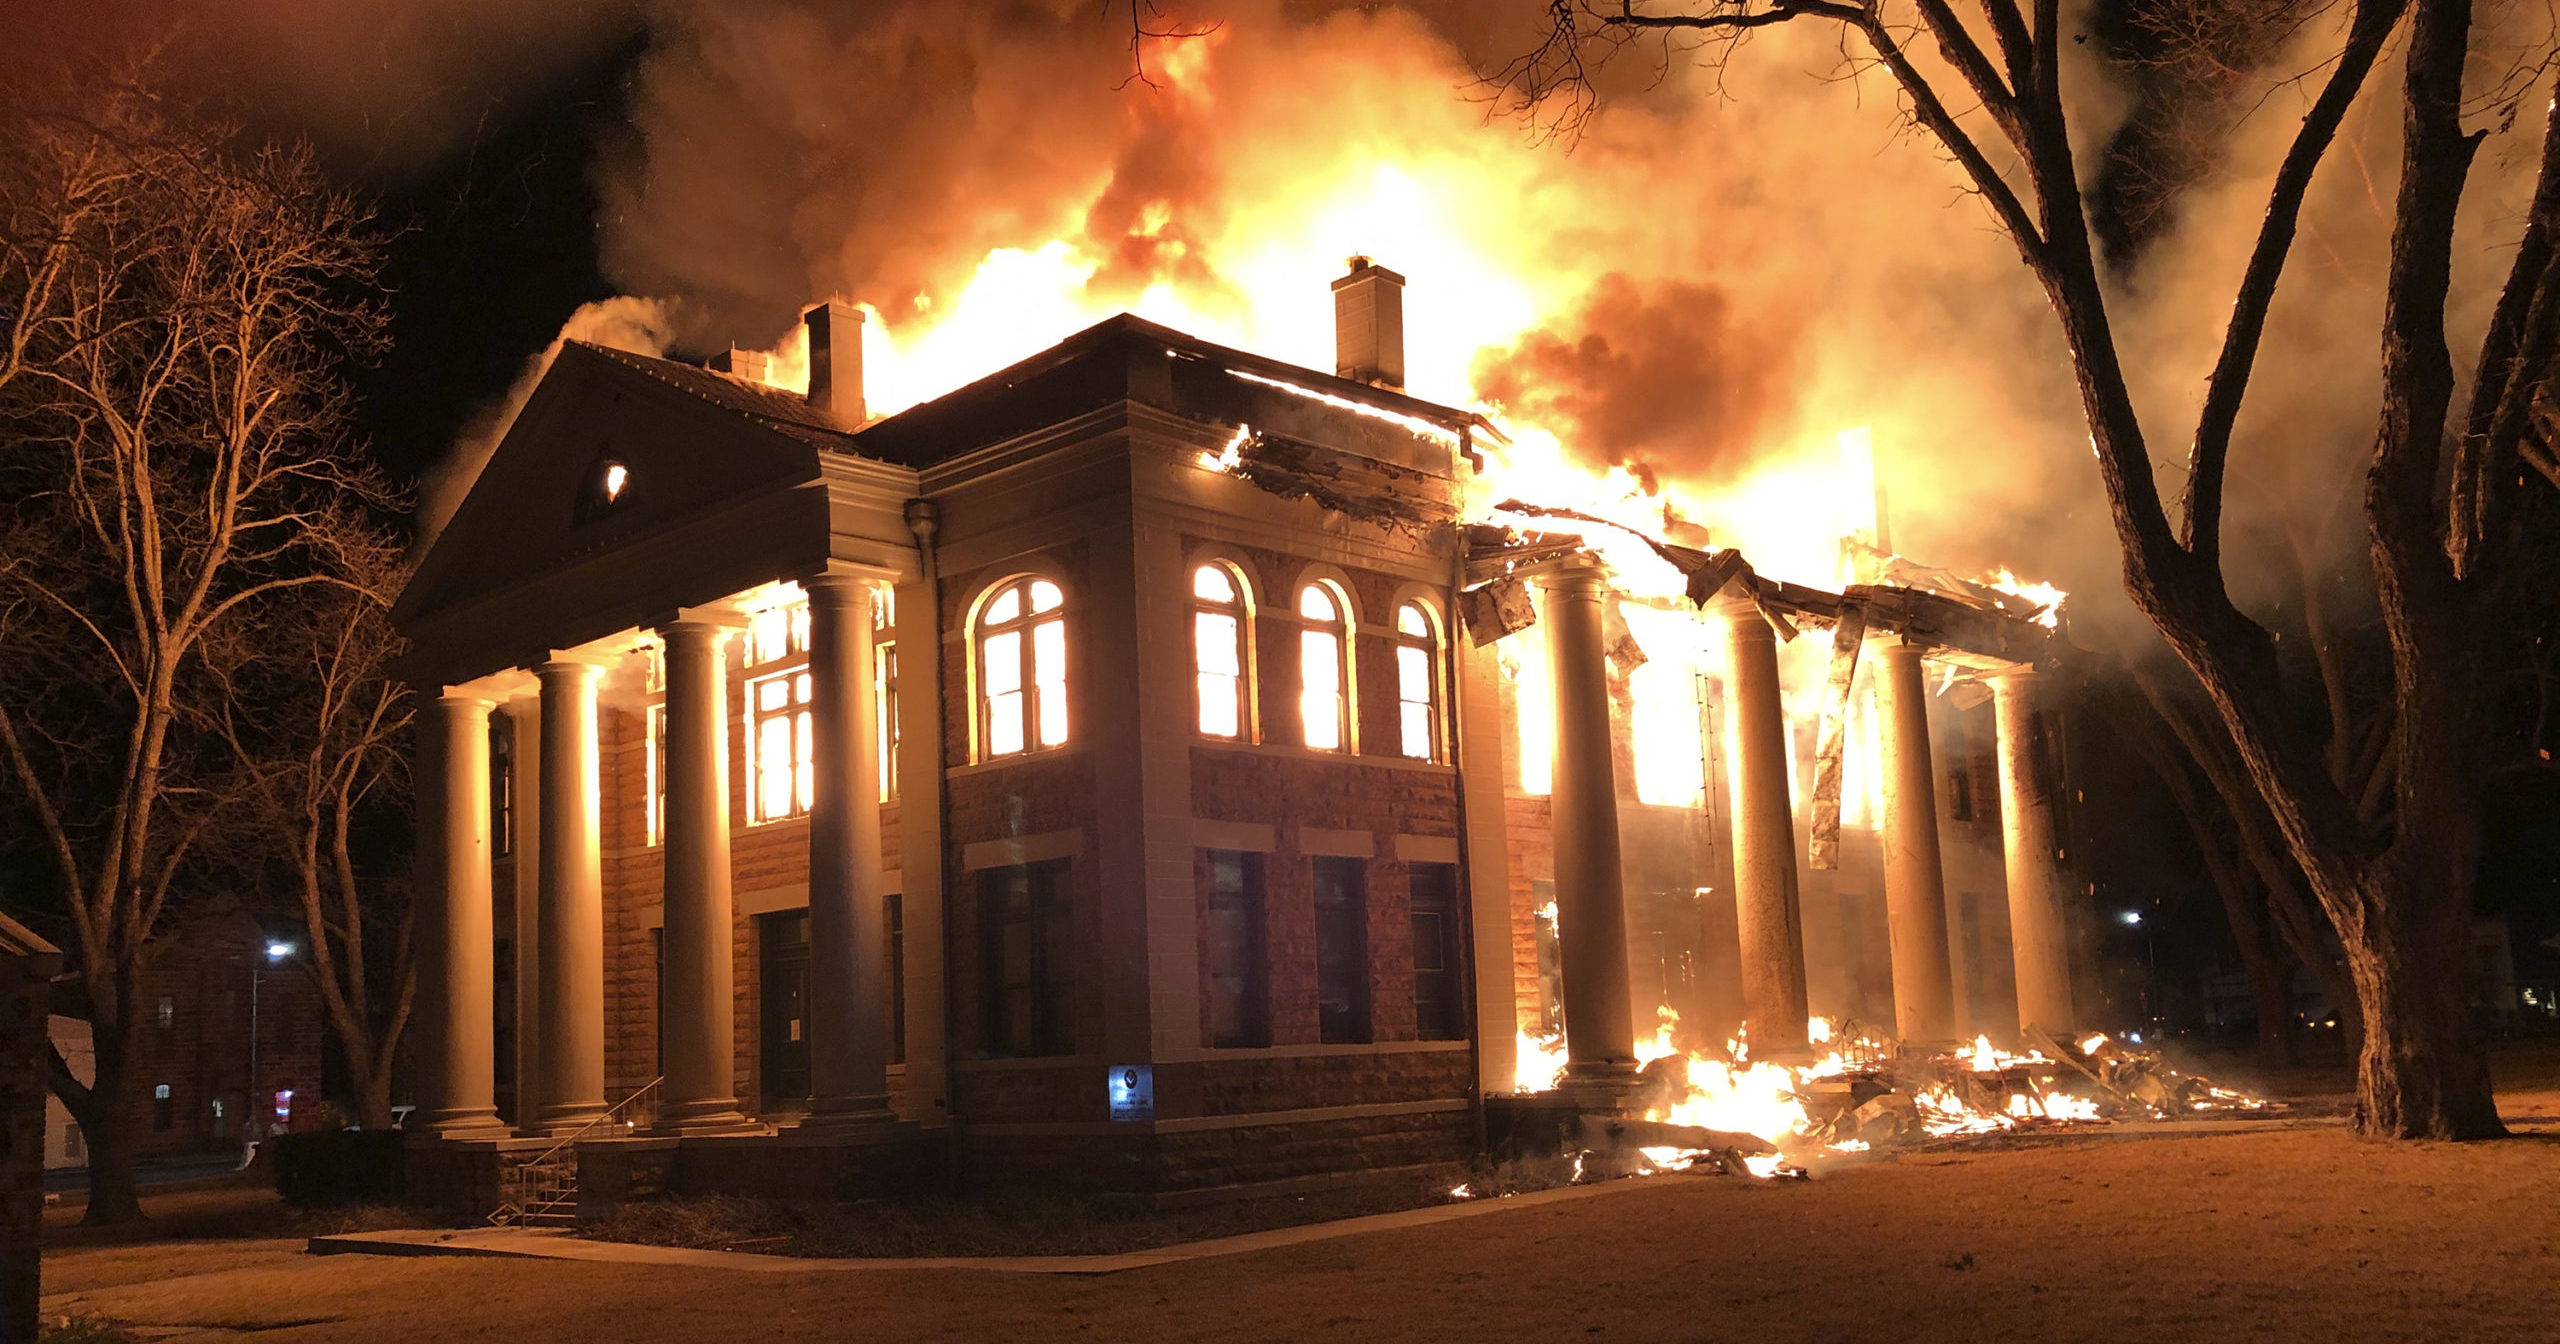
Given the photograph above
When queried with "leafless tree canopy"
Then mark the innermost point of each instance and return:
(176, 464)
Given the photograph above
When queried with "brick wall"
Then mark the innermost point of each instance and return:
(202, 974)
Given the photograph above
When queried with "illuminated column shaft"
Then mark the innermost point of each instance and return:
(848, 912)
(571, 992)
(458, 986)
(699, 1012)
(2037, 941)
(1915, 893)
(1591, 916)
(1767, 907)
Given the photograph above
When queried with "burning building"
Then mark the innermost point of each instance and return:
(1156, 767)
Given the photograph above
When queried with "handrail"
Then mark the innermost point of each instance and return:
(609, 1112)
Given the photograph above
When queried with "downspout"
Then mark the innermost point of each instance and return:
(924, 521)
(1466, 869)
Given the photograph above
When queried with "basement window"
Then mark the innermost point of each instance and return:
(1324, 666)
(1027, 966)
(1238, 984)
(1022, 668)
(1218, 650)
(1417, 683)
(1439, 1003)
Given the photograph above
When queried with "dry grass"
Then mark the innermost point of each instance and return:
(988, 1225)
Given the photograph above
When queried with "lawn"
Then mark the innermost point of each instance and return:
(2287, 1234)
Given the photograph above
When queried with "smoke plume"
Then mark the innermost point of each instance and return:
(640, 326)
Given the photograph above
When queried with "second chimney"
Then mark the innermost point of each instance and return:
(755, 366)
(835, 358)
(1368, 325)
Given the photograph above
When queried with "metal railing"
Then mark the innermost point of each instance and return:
(539, 1185)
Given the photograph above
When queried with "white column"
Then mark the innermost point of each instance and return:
(848, 914)
(1768, 908)
(1915, 888)
(571, 992)
(1591, 912)
(2037, 940)
(457, 992)
(699, 1008)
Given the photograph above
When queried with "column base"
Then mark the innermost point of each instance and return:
(471, 1123)
(556, 1122)
(1600, 1085)
(719, 1115)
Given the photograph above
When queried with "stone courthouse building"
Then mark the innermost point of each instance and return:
(1080, 777)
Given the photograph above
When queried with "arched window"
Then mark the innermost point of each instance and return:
(1324, 668)
(1022, 667)
(1417, 683)
(1218, 651)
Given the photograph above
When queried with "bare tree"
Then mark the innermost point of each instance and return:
(179, 425)
(2400, 900)
(316, 727)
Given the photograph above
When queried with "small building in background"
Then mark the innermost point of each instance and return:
(230, 1049)
(65, 1147)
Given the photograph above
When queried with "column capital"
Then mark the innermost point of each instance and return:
(461, 697)
(1579, 575)
(564, 665)
(845, 576)
(1742, 616)
(690, 625)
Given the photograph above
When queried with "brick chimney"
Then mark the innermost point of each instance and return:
(835, 358)
(1368, 325)
(753, 365)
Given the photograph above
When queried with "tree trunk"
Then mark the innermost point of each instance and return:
(107, 1125)
(2424, 1070)
(373, 1094)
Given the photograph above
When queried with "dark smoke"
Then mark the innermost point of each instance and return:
(1668, 379)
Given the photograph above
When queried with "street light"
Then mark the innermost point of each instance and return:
(277, 951)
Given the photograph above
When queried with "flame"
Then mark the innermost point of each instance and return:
(2044, 595)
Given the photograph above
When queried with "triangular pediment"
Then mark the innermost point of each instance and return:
(537, 508)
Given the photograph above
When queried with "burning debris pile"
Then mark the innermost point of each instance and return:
(1727, 1111)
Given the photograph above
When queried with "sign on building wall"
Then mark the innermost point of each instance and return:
(1133, 1092)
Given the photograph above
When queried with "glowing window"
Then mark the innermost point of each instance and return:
(782, 768)
(1022, 668)
(1217, 651)
(606, 488)
(653, 723)
(884, 671)
(1324, 647)
(1417, 684)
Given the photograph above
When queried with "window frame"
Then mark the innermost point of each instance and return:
(1443, 1016)
(1343, 630)
(1349, 942)
(1026, 623)
(1250, 900)
(789, 667)
(1238, 608)
(1427, 645)
(1046, 920)
(884, 685)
